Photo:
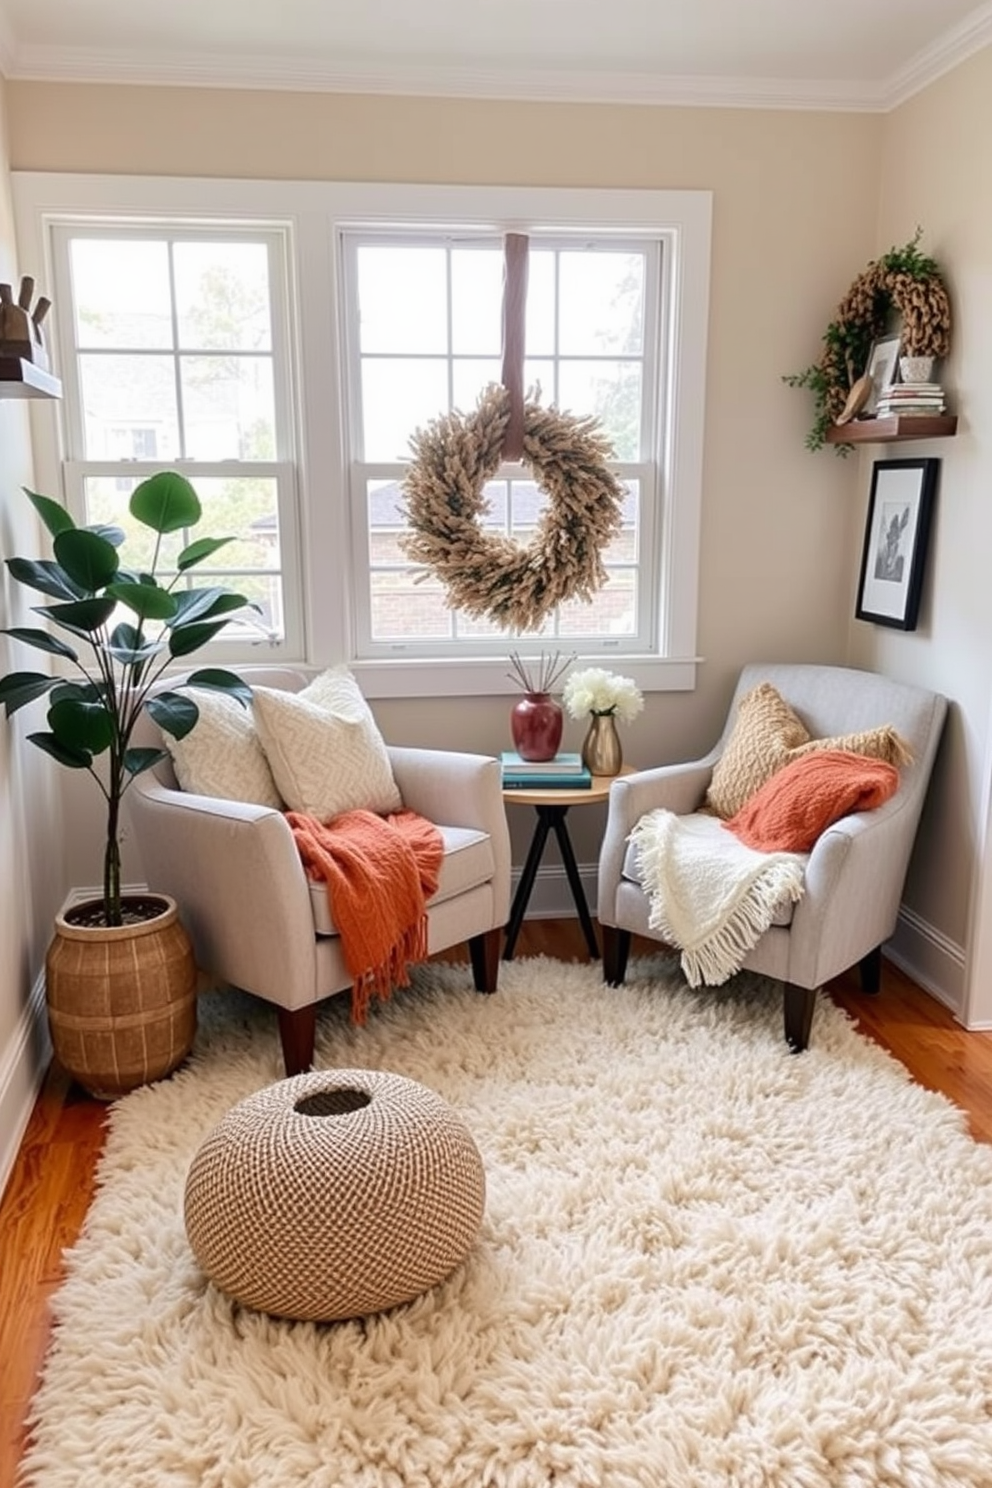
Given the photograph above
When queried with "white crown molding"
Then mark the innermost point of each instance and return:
(97, 65)
(947, 52)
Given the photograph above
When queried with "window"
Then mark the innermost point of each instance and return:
(172, 351)
(279, 342)
(427, 317)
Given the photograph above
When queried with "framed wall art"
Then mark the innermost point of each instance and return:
(883, 364)
(897, 531)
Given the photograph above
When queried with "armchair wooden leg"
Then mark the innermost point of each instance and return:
(616, 949)
(870, 969)
(484, 951)
(799, 1005)
(297, 1028)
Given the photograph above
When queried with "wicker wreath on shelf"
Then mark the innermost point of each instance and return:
(903, 280)
(488, 574)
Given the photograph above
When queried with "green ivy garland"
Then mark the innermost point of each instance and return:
(904, 279)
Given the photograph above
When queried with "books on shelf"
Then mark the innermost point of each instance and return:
(908, 398)
(561, 764)
(568, 780)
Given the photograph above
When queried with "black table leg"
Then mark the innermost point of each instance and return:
(548, 818)
(575, 882)
(526, 883)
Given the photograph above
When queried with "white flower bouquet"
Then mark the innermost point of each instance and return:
(597, 691)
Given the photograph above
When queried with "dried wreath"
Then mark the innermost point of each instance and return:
(904, 279)
(488, 574)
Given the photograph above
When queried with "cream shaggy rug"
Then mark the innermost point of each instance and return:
(705, 1261)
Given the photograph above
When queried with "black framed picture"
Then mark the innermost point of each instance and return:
(897, 530)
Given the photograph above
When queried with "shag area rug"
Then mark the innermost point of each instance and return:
(705, 1261)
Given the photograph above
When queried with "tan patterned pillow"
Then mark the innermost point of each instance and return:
(767, 734)
(324, 748)
(221, 755)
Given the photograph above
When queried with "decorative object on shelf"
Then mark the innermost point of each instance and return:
(882, 361)
(916, 368)
(488, 574)
(20, 326)
(607, 697)
(536, 719)
(904, 280)
(95, 716)
(897, 529)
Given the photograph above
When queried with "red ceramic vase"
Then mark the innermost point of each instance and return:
(536, 723)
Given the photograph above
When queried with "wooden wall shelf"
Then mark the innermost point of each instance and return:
(890, 430)
(21, 379)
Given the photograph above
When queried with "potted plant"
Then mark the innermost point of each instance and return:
(120, 976)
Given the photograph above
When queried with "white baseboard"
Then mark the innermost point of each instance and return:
(22, 1070)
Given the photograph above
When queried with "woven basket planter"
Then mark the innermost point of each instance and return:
(121, 999)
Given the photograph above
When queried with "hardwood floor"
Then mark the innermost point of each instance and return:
(52, 1184)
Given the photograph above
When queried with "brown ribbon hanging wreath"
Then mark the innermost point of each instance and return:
(488, 574)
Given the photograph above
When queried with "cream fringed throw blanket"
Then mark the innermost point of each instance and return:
(711, 897)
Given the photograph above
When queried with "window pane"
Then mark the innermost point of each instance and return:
(399, 396)
(121, 293)
(468, 380)
(540, 303)
(612, 610)
(228, 408)
(403, 609)
(602, 304)
(247, 510)
(612, 392)
(476, 302)
(222, 295)
(123, 393)
(106, 499)
(539, 381)
(402, 299)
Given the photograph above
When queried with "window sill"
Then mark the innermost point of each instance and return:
(487, 678)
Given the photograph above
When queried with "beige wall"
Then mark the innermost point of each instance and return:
(31, 866)
(794, 215)
(934, 173)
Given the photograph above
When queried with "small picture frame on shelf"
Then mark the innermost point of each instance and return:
(897, 531)
(883, 368)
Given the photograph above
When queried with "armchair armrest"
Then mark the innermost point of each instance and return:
(236, 875)
(679, 788)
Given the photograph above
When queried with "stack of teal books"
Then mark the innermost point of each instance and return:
(564, 772)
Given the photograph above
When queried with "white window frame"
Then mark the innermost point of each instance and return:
(314, 215)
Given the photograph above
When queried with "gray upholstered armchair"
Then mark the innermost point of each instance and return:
(856, 870)
(258, 923)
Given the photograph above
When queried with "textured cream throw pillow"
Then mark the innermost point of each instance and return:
(767, 734)
(221, 755)
(324, 748)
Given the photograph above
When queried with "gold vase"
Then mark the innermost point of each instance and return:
(601, 751)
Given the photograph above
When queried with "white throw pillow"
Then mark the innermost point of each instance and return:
(324, 748)
(222, 754)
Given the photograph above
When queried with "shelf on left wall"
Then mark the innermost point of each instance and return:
(23, 379)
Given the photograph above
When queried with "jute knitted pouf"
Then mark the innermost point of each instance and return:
(334, 1194)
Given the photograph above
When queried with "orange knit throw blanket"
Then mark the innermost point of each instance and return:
(806, 797)
(379, 872)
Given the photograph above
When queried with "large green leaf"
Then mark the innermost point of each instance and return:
(41, 640)
(82, 616)
(79, 692)
(52, 513)
(146, 600)
(89, 560)
(205, 604)
(185, 639)
(166, 502)
(18, 689)
(83, 727)
(204, 547)
(136, 760)
(45, 576)
(216, 679)
(75, 759)
(173, 712)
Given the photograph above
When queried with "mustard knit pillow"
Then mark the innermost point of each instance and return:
(767, 734)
